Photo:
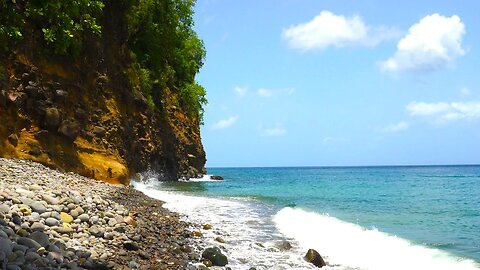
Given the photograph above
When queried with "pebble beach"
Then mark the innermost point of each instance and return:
(55, 220)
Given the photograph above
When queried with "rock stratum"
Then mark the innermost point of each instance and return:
(85, 114)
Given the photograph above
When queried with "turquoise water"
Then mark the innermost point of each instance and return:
(437, 207)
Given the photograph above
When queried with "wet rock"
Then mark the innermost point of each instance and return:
(216, 177)
(6, 246)
(284, 245)
(314, 258)
(13, 139)
(28, 242)
(219, 239)
(214, 254)
(40, 238)
(207, 226)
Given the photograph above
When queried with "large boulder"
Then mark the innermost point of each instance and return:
(215, 256)
(216, 177)
(314, 258)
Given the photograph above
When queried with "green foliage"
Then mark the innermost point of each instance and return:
(163, 42)
(192, 100)
(63, 24)
(166, 52)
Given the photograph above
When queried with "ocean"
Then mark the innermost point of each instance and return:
(371, 218)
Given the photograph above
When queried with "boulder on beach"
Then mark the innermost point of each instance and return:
(214, 254)
(314, 257)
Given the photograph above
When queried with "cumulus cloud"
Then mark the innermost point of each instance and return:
(328, 29)
(267, 93)
(432, 43)
(277, 130)
(443, 111)
(225, 123)
(397, 127)
(240, 91)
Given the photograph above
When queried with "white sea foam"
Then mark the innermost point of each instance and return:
(251, 235)
(351, 245)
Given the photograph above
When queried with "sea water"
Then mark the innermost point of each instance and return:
(372, 218)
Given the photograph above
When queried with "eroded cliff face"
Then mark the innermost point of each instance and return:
(85, 115)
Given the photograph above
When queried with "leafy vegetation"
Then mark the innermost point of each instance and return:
(166, 52)
(163, 42)
(63, 23)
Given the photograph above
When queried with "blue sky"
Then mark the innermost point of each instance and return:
(340, 83)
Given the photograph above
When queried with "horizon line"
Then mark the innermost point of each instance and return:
(342, 166)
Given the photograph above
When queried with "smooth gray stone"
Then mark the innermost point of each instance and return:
(51, 222)
(40, 238)
(6, 246)
(28, 242)
(38, 207)
(37, 226)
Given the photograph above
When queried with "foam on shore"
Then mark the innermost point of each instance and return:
(354, 246)
(252, 232)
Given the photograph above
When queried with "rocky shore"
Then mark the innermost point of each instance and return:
(55, 220)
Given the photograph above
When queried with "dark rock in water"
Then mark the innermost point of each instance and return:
(215, 256)
(216, 177)
(284, 245)
(13, 139)
(314, 257)
(130, 246)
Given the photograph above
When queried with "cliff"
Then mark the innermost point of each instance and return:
(90, 113)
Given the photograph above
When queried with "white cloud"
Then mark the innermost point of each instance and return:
(465, 92)
(328, 29)
(267, 93)
(443, 112)
(263, 92)
(277, 130)
(240, 91)
(225, 123)
(432, 43)
(397, 127)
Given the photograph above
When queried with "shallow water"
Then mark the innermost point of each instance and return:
(358, 218)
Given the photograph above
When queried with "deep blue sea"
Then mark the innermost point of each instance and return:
(357, 217)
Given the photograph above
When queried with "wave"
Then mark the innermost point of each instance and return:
(351, 245)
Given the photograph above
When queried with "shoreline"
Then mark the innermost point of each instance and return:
(82, 223)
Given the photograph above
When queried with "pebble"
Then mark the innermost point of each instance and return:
(38, 207)
(37, 226)
(52, 220)
(83, 217)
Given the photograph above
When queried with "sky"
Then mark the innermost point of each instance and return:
(340, 82)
